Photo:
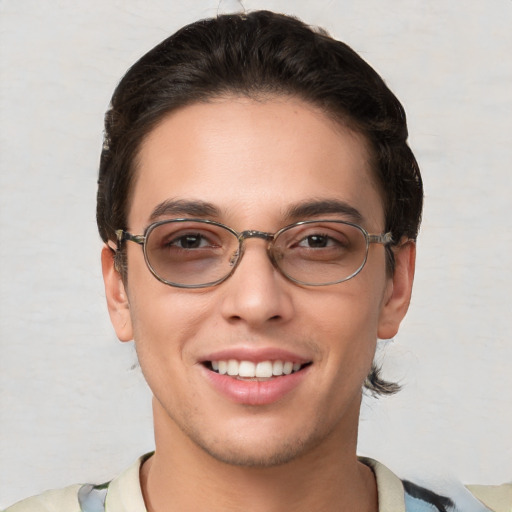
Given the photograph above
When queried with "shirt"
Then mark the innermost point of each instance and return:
(124, 494)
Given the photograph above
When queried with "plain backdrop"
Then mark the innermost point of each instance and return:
(73, 404)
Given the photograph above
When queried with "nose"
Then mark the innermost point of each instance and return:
(257, 293)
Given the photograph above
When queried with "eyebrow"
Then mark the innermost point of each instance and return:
(182, 207)
(300, 211)
(316, 208)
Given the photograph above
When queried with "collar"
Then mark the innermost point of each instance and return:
(125, 493)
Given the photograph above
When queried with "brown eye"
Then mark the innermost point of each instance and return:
(317, 242)
(189, 241)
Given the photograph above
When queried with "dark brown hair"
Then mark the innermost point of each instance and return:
(255, 54)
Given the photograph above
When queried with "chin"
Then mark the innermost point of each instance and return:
(259, 451)
(257, 459)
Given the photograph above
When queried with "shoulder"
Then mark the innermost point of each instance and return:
(122, 494)
(497, 498)
(75, 498)
(398, 495)
(480, 498)
(59, 500)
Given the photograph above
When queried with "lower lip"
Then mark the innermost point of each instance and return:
(253, 392)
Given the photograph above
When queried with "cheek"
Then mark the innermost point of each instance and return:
(351, 307)
(160, 314)
(166, 329)
(168, 319)
(164, 320)
(347, 319)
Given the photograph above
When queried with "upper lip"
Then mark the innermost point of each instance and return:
(255, 355)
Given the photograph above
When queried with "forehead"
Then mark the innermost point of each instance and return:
(253, 160)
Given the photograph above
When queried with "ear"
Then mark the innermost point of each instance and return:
(398, 293)
(117, 299)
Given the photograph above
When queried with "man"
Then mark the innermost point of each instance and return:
(263, 169)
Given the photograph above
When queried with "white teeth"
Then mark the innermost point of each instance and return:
(233, 367)
(277, 368)
(223, 366)
(248, 369)
(264, 369)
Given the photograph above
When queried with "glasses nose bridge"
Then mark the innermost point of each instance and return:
(253, 233)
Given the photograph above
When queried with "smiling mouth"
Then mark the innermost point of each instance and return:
(248, 370)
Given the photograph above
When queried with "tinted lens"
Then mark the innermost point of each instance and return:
(190, 253)
(321, 252)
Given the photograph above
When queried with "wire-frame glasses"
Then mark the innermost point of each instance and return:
(197, 253)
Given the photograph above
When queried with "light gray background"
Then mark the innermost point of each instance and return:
(72, 407)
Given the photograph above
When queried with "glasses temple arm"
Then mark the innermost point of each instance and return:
(385, 238)
(124, 235)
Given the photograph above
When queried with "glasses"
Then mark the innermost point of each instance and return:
(197, 253)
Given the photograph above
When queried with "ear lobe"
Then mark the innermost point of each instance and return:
(117, 299)
(398, 296)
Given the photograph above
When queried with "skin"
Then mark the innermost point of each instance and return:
(253, 160)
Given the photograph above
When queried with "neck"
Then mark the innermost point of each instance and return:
(181, 477)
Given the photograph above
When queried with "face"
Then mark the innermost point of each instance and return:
(253, 165)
